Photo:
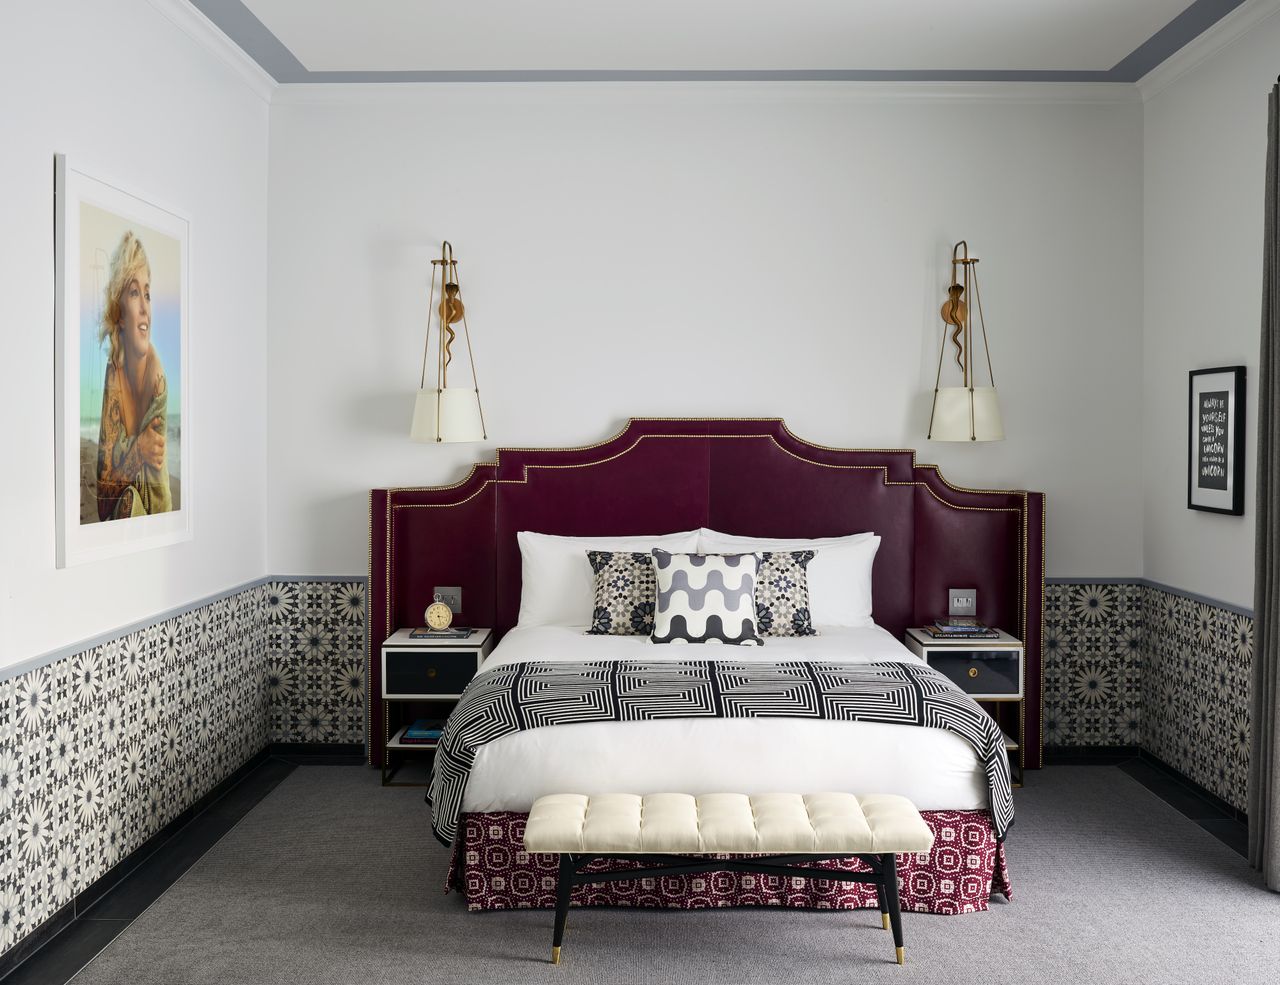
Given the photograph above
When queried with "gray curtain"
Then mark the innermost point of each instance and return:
(1264, 763)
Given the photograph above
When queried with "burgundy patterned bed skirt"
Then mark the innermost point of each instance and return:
(492, 869)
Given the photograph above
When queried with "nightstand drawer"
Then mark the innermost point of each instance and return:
(976, 671)
(418, 673)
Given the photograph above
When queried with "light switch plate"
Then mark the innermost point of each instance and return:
(961, 601)
(450, 595)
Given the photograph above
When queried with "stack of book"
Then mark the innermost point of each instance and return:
(960, 628)
(452, 633)
(424, 731)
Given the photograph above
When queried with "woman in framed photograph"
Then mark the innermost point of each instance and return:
(133, 475)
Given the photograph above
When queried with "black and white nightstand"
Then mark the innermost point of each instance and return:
(423, 677)
(991, 671)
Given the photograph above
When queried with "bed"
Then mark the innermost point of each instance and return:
(755, 478)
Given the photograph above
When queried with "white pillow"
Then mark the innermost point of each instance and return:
(839, 574)
(557, 585)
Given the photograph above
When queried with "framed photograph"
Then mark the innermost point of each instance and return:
(123, 465)
(1215, 465)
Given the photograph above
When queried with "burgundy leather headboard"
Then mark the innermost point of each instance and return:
(742, 476)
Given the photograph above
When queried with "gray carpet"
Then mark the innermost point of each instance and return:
(332, 879)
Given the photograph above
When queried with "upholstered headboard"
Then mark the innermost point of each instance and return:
(742, 476)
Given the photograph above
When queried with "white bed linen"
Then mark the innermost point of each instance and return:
(935, 769)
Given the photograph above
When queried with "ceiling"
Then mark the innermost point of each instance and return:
(300, 41)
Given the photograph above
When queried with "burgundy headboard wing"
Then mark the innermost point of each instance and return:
(741, 476)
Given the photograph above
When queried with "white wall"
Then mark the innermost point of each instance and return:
(703, 250)
(126, 93)
(1205, 159)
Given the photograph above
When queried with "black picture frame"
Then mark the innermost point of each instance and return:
(1215, 440)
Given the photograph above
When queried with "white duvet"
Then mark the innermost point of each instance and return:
(935, 769)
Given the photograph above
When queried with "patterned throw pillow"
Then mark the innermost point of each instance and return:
(782, 594)
(705, 598)
(625, 590)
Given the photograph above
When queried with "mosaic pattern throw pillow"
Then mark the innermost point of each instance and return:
(625, 590)
(706, 598)
(782, 594)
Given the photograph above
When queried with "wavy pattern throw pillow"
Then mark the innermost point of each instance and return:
(782, 594)
(625, 590)
(706, 598)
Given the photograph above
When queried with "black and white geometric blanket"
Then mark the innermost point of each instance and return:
(520, 696)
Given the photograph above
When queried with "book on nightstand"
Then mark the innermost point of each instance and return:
(452, 633)
(960, 628)
(424, 730)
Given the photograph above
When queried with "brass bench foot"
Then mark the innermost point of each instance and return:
(901, 953)
(884, 921)
(555, 955)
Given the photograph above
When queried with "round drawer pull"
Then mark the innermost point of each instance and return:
(431, 672)
(973, 671)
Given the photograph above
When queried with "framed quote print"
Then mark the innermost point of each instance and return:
(123, 458)
(1215, 466)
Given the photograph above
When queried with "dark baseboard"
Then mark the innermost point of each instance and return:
(1089, 755)
(1202, 792)
(1114, 755)
(21, 960)
(319, 753)
(92, 893)
(1222, 820)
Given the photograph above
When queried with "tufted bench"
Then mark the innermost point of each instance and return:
(785, 832)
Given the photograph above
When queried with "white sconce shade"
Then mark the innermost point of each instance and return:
(966, 414)
(459, 415)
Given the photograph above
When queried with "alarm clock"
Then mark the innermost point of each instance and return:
(438, 616)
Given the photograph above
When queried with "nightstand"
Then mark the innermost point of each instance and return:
(423, 678)
(991, 671)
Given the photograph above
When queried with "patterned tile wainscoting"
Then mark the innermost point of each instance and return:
(1195, 691)
(1140, 665)
(100, 749)
(315, 660)
(1093, 665)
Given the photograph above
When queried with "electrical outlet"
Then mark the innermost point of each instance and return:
(450, 596)
(962, 601)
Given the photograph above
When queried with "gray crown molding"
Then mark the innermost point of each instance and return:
(1228, 30)
(422, 93)
(239, 24)
(189, 19)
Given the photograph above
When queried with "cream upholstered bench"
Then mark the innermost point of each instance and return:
(785, 832)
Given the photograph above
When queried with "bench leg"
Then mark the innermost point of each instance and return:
(564, 888)
(884, 905)
(889, 867)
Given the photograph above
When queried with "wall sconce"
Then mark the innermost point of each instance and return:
(966, 412)
(447, 413)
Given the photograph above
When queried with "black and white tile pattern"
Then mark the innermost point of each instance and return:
(1093, 665)
(315, 661)
(1195, 687)
(99, 750)
(1136, 665)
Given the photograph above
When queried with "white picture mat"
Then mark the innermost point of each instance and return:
(81, 543)
(1221, 499)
